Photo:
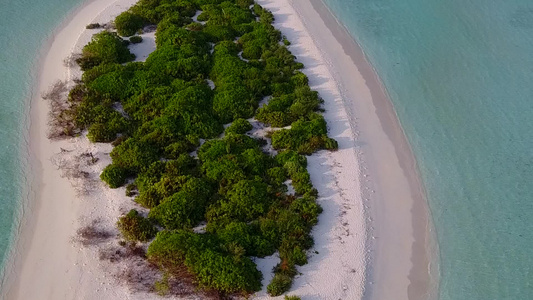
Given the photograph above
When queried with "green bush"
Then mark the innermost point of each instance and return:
(104, 48)
(148, 198)
(170, 114)
(292, 298)
(114, 176)
(136, 39)
(239, 126)
(99, 133)
(136, 228)
(279, 284)
(305, 137)
(213, 268)
(128, 24)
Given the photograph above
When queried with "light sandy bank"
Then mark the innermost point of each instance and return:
(399, 250)
(369, 185)
(48, 263)
(336, 268)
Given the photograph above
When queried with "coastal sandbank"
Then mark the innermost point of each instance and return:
(401, 238)
(369, 189)
(48, 262)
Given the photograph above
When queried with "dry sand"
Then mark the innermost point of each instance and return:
(49, 263)
(369, 189)
(401, 239)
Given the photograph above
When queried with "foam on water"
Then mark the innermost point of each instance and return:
(460, 77)
(24, 27)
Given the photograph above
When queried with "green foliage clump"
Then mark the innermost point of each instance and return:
(128, 24)
(134, 155)
(239, 126)
(135, 227)
(279, 284)
(165, 123)
(98, 133)
(213, 267)
(136, 39)
(104, 48)
(264, 15)
(287, 108)
(304, 136)
(114, 176)
(291, 297)
(186, 207)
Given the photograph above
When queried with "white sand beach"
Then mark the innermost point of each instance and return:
(369, 189)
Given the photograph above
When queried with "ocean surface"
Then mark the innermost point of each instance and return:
(25, 26)
(460, 76)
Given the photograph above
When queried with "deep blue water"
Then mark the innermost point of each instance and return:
(460, 75)
(25, 25)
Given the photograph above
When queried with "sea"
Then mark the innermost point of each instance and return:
(25, 27)
(460, 76)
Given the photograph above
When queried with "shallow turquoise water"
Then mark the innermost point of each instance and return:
(460, 75)
(25, 26)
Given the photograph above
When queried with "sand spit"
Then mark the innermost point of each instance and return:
(366, 188)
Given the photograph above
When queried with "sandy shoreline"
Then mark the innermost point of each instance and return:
(369, 189)
(46, 264)
(401, 230)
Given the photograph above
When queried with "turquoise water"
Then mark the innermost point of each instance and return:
(25, 26)
(460, 75)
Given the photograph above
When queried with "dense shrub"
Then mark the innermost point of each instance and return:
(136, 228)
(98, 133)
(148, 198)
(166, 122)
(185, 208)
(114, 176)
(136, 39)
(304, 136)
(279, 284)
(134, 155)
(104, 48)
(213, 268)
(239, 126)
(128, 24)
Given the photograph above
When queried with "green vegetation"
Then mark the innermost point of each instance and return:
(231, 186)
(105, 48)
(128, 24)
(136, 39)
(136, 228)
(305, 137)
(239, 126)
(114, 176)
(279, 284)
(292, 298)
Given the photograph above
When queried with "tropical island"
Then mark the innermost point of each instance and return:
(214, 196)
(182, 150)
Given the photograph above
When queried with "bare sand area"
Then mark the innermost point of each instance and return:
(370, 242)
(401, 238)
